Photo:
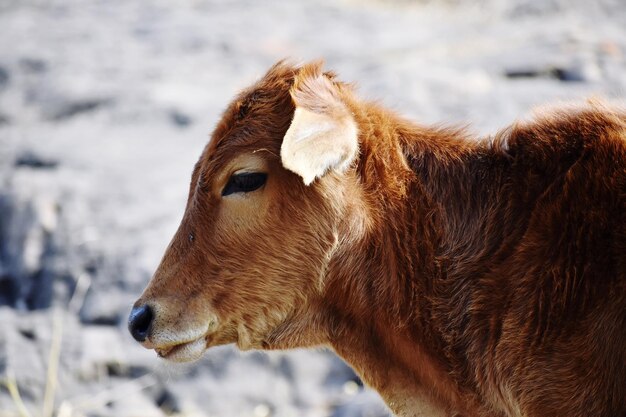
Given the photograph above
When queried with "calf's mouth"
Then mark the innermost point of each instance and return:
(187, 346)
(183, 352)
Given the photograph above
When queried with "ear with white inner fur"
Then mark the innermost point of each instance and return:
(323, 135)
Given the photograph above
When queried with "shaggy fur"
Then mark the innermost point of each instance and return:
(459, 277)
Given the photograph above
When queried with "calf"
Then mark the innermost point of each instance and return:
(457, 276)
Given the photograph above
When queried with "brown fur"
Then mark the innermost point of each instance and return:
(458, 276)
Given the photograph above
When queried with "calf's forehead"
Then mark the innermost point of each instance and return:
(258, 131)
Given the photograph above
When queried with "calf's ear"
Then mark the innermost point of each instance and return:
(323, 135)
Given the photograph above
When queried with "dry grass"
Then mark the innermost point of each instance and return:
(79, 406)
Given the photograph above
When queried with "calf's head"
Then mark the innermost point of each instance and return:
(266, 199)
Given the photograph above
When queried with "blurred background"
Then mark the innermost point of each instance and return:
(105, 106)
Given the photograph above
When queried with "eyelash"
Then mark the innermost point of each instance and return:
(244, 183)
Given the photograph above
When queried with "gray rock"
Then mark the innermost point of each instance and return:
(33, 65)
(32, 160)
(106, 306)
(106, 353)
(26, 230)
(180, 119)
(66, 109)
(4, 77)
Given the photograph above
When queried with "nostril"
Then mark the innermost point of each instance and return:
(139, 322)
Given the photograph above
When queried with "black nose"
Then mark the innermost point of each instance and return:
(139, 322)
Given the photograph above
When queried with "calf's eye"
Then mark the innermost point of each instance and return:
(244, 182)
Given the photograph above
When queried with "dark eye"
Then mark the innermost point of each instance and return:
(245, 182)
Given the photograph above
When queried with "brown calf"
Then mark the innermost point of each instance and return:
(458, 276)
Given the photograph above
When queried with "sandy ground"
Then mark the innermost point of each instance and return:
(105, 105)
